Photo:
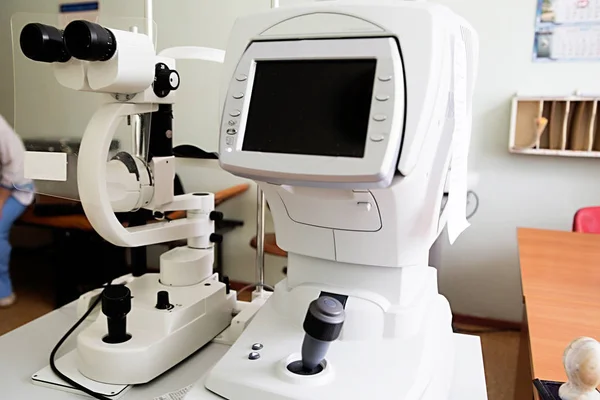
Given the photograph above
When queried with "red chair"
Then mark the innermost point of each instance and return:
(587, 220)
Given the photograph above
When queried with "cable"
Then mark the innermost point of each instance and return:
(476, 198)
(253, 285)
(62, 341)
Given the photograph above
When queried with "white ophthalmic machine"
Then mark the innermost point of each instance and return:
(350, 116)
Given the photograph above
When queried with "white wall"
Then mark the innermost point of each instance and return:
(480, 272)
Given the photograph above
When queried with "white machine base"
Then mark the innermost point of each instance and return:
(468, 379)
(67, 364)
(416, 363)
(160, 339)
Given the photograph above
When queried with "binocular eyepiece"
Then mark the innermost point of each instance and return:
(88, 41)
(43, 43)
(82, 40)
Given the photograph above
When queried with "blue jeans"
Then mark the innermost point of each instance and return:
(10, 212)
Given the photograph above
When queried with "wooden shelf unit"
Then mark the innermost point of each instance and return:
(572, 129)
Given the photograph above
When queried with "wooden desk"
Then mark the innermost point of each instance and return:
(80, 222)
(270, 245)
(560, 275)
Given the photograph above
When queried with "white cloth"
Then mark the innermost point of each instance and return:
(12, 164)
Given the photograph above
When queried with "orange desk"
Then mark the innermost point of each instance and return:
(560, 275)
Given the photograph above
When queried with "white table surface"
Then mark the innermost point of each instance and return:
(25, 351)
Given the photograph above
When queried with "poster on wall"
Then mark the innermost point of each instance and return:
(78, 10)
(567, 30)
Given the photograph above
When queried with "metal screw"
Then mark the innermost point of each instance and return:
(254, 356)
(257, 346)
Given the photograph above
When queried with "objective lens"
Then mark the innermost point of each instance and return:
(89, 41)
(43, 43)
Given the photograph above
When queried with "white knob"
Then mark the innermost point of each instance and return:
(582, 365)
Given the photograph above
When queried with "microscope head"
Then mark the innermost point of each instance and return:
(87, 56)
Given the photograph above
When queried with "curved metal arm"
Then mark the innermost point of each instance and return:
(91, 181)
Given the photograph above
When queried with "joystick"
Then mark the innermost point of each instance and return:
(116, 304)
(323, 324)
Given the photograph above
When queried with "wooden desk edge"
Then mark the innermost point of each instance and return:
(80, 222)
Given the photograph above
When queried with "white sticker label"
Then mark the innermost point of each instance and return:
(45, 166)
(176, 395)
(457, 197)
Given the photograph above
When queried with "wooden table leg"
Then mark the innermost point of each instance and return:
(523, 384)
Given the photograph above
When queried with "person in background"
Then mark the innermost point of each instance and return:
(16, 193)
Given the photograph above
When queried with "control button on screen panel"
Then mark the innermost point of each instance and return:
(311, 107)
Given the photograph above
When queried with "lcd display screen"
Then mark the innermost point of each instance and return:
(310, 107)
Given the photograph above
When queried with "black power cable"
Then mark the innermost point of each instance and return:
(62, 341)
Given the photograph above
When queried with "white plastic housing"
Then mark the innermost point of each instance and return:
(385, 117)
(72, 74)
(126, 190)
(184, 266)
(370, 244)
(428, 24)
(201, 216)
(130, 70)
(406, 350)
(163, 174)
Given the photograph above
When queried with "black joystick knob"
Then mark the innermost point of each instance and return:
(165, 80)
(323, 324)
(162, 301)
(216, 238)
(216, 216)
(116, 304)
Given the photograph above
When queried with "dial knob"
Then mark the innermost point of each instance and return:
(216, 216)
(165, 80)
(162, 301)
(216, 238)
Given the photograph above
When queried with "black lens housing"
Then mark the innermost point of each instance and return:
(88, 41)
(43, 43)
